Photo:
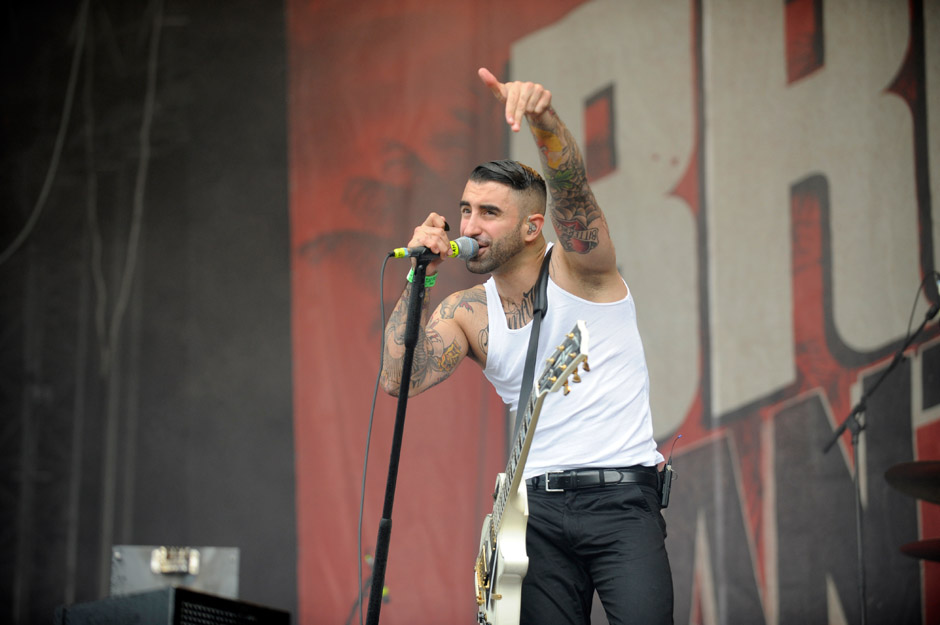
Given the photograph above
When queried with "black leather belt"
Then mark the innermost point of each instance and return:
(557, 481)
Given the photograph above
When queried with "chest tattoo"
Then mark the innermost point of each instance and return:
(519, 313)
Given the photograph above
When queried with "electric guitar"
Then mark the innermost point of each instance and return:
(503, 562)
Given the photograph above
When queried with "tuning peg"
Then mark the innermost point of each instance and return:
(567, 388)
(585, 365)
(575, 377)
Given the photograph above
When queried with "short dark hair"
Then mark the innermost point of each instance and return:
(516, 176)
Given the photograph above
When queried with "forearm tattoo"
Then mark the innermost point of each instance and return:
(575, 213)
(392, 362)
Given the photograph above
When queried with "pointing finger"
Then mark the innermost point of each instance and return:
(494, 85)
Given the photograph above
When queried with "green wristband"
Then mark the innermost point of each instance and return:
(429, 281)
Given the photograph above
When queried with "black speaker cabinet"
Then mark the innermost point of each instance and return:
(169, 606)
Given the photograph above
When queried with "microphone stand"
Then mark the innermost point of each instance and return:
(385, 523)
(854, 423)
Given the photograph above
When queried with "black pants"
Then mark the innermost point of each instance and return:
(608, 538)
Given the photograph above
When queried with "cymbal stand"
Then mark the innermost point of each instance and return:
(855, 423)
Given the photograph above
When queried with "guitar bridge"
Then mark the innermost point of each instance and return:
(483, 581)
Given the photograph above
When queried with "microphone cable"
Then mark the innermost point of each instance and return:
(365, 462)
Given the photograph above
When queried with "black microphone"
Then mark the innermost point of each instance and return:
(462, 247)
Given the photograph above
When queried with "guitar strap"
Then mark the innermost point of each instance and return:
(540, 307)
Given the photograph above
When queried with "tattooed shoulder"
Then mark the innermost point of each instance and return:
(471, 306)
(472, 301)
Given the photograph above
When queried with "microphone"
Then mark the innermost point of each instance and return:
(462, 247)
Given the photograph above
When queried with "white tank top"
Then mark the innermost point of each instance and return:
(605, 421)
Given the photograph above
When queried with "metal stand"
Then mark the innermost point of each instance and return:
(385, 523)
(854, 423)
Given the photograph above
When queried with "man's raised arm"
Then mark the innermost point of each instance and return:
(579, 222)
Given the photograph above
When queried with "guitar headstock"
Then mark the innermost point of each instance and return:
(566, 360)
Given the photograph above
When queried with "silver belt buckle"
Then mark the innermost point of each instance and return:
(553, 490)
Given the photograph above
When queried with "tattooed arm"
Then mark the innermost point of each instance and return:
(452, 332)
(579, 222)
(441, 344)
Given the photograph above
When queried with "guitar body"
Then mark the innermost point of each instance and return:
(502, 562)
(507, 562)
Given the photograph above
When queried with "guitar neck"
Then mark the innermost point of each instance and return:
(520, 447)
(517, 458)
(563, 362)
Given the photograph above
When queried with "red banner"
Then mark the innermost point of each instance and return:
(738, 172)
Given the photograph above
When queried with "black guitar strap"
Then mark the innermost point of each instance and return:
(539, 309)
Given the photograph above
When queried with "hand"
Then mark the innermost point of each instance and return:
(432, 235)
(521, 98)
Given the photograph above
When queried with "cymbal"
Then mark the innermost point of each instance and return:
(919, 479)
(924, 549)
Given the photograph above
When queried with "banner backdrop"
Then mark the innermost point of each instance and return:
(767, 169)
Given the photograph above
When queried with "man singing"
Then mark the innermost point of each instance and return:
(594, 510)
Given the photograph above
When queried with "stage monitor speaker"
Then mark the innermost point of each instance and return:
(138, 568)
(169, 606)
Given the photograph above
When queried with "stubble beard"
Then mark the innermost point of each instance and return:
(497, 253)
